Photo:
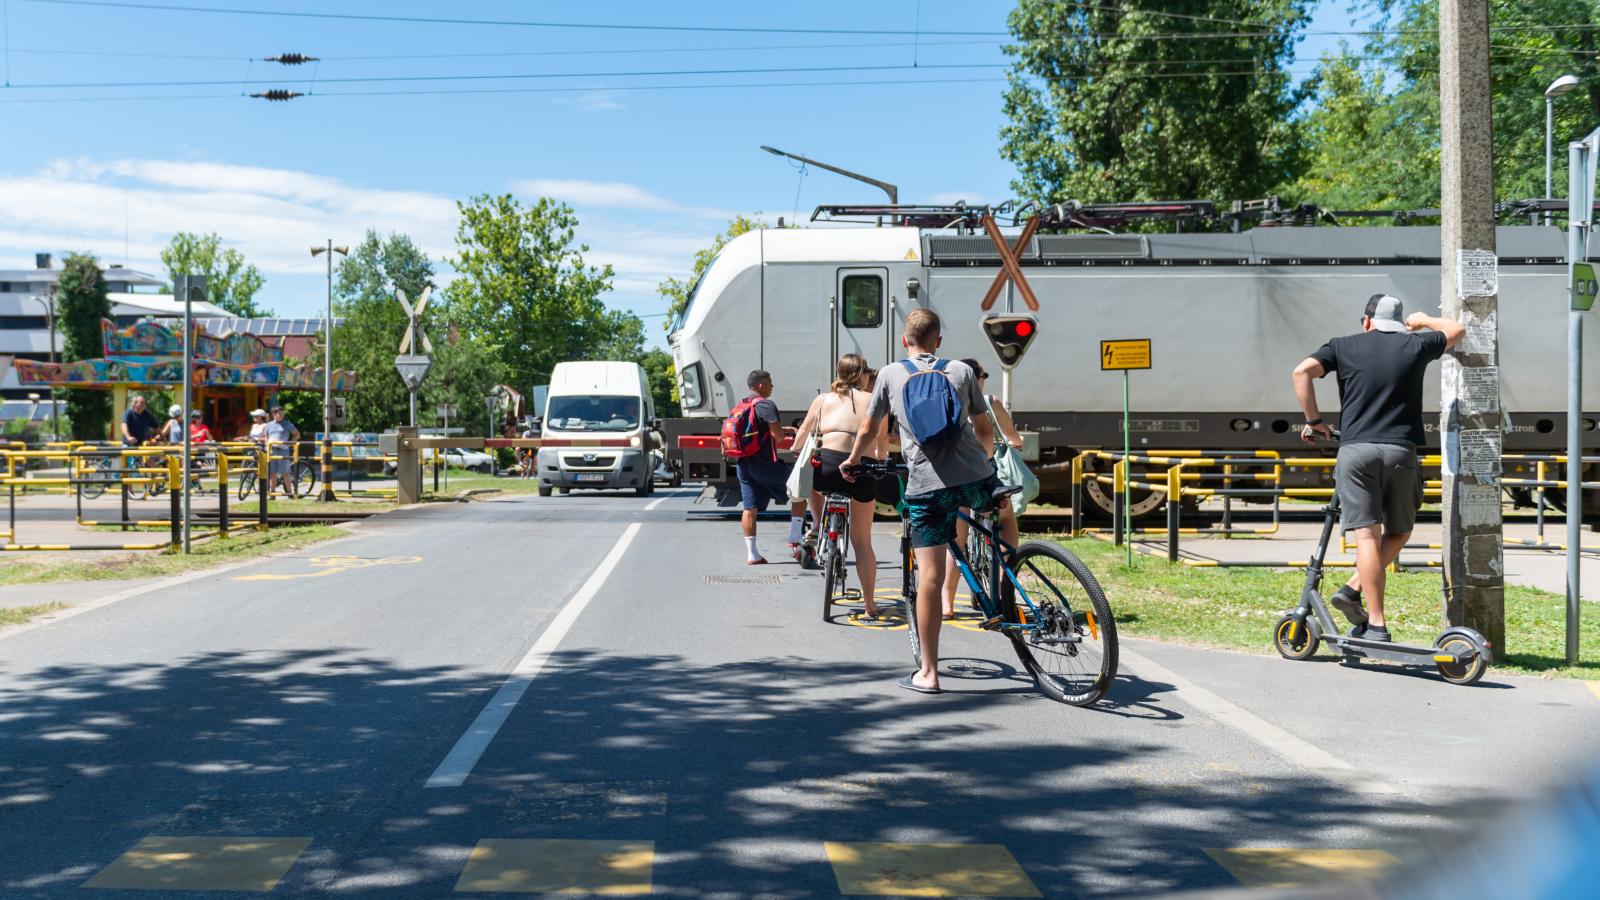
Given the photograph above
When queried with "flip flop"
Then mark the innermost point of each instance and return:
(910, 685)
(755, 562)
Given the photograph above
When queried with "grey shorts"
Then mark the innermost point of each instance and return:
(1378, 484)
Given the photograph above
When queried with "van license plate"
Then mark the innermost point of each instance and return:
(588, 478)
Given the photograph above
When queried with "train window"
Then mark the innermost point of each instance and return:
(863, 301)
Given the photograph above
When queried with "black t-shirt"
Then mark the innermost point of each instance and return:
(1380, 383)
(141, 425)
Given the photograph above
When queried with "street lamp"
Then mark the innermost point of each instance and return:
(327, 375)
(48, 301)
(1563, 85)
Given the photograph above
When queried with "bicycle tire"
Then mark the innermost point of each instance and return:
(825, 561)
(1071, 604)
(908, 592)
(247, 485)
(302, 479)
(93, 490)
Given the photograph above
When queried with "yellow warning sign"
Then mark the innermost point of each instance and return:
(911, 254)
(1124, 355)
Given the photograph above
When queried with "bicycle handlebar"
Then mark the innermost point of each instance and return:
(877, 468)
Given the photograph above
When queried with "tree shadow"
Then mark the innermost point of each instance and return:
(738, 771)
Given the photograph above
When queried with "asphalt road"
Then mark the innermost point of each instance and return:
(696, 731)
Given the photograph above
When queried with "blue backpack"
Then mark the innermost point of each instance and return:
(933, 411)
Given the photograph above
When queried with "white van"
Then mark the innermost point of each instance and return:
(595, 427)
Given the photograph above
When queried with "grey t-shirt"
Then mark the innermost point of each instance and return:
(948, 464)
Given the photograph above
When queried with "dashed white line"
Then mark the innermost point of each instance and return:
(458, 764)
(1295, 750)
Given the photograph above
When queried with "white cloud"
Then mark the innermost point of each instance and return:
(612, 194)
(594, 101)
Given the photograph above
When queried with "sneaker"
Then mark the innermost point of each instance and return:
(1351, 607)
(1371, 633)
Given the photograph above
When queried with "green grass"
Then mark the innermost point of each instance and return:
(160, 563)
(467, 481)
(1237, 608)
(18, 615)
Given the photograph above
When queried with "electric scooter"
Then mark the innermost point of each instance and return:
(1461, 654)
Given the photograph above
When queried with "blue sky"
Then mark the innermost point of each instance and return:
(653, 174)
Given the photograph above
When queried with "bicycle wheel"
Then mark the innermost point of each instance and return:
(908, 591)
(1072, 653)
(825, 551)
(978, 552)
(101, 468)
(247, 485)
(302, 479)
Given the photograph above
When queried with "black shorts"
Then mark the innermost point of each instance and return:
(828, 480)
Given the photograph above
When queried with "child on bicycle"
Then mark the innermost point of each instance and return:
(947, 469)
(836, 416)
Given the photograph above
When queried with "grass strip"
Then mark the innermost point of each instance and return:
(1237, 608)
(162, 563)
(18, 615)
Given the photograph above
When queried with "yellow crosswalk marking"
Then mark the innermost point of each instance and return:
(559, 866)
(1594, 686)
(190, 863)
(1280, 866)
(928, 870)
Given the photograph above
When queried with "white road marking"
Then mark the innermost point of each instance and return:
(1295, 750)
(655, 503)
(469, 748)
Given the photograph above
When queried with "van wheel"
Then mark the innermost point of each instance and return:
(646, 489)
(544, 490)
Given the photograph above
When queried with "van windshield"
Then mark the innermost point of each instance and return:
(593, 413)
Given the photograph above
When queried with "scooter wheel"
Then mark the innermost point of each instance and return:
(1294, 640)
(1461, 672)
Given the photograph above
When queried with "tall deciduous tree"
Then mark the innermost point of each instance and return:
(524, 290)
(81, 304)
(231, 283)
(1124, 100)
(678, 291)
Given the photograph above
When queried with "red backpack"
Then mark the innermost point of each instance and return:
(741, 430)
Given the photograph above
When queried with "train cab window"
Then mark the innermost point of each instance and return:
(863, 301)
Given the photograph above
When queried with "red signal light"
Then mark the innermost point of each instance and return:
(1024, 328)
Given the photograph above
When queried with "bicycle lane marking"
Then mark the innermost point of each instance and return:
(469, 748)
(1293, 749)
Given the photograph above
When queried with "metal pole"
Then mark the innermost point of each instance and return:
(50, 308)
(1549, 130)
(1579, 209)
(188, 399)
(1127, 470)
(327, 389)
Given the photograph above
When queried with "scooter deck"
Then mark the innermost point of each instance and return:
(1404, 653)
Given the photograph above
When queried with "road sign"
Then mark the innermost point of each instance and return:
(446, 410)
(413, 370)
(1584, 286)
(1010, 336)
(1124, 355)
(414, 333)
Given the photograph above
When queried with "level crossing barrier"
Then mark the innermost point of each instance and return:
(1258, 474)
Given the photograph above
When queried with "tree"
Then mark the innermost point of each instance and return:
(663, 382)
(1122, 100)
(524, 291)
(231, 283)
(677, 293)
(368, 337)
(81, 305)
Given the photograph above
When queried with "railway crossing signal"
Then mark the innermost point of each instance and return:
(414, 330)
(1010, 337)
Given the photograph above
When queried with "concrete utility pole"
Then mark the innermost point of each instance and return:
(1469, 420)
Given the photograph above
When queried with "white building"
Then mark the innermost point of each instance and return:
(26, 297)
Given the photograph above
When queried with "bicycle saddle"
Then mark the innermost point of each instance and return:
(1000, 492)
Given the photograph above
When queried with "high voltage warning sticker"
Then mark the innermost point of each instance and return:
(1124, 355)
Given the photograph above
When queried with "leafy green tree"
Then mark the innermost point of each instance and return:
(81, 304)
(1123, 100)
(677, 292)
(524, 291)
(368, 336)
(231, 283)
(663, 381)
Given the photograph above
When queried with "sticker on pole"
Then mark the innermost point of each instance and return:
(1584, 286)
(1477, 273)
(1115, 355)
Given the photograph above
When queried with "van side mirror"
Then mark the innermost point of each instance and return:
(655, 424)
(536, 423)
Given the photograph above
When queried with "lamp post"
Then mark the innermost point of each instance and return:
(327, 376)
(1563, 85)
(48, 301)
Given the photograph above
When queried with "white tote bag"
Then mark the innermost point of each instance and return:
(799, 483)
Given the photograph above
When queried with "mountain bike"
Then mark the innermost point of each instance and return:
(1039, 595)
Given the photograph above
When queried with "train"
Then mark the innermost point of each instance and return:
(1228, 312)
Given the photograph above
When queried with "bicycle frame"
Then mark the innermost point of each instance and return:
(1002, 549)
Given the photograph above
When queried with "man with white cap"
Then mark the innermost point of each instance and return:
(1381, 369)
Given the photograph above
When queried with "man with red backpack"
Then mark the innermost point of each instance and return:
(750, 436)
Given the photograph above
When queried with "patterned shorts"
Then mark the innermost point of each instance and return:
(933, 515)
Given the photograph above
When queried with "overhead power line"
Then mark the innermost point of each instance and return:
(513, 23)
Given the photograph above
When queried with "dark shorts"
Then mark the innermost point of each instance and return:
(1378, 484)
(828, 480)
(933, 515)
(762, 482)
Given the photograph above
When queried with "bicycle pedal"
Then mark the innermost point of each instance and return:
(993, 623)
